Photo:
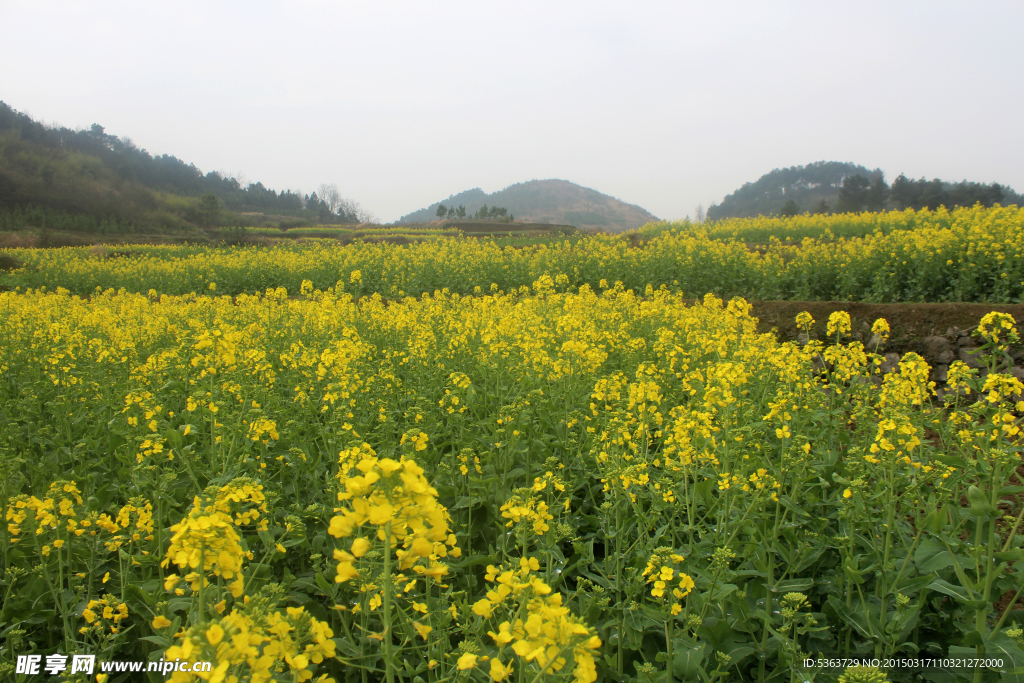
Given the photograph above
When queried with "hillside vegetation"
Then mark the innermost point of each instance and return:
(548, 201)
(833, 186)
(90, 180)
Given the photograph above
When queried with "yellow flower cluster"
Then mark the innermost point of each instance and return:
(395, 497)
(999, 329)
(661, 572)
(548, 636)
(206, 542)
(104, 615)
(530, 509)
(45, 514)
(243, 498)
(253, 647)
(838, 324)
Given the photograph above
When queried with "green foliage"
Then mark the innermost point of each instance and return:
(208, 209)
(853, 188)
(789, 209)
(853, 195)
(805, 185)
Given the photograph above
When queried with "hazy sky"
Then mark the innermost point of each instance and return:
(665, 105)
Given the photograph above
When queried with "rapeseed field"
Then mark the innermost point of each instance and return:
(452, 462)
(968, 254)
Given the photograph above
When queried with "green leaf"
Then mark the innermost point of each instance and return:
(1001, 646)
(966, 596)
(910, 586)
(654, 614)
(973, 639)
(951, 460)
(686, 664)
(322, 583)
(794, 586)
(161, 642)
(721, 591)
(793, 506)
(931, 557)
(1010, 555)
(981, 506)
(738, 653)
(851, 616)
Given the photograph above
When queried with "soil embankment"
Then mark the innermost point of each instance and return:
(940, 333)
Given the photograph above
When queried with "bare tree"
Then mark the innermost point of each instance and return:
(330, 195)
(351, 210)
(365, 215)
(700, 213)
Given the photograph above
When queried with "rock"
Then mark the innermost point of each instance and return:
(940, 373)
(952, 332)
(801, 338)
(891, 362)
(964, 341)
(934, 346)
(946, 357)
(969, 355)
(1018, 372)
(875, 343)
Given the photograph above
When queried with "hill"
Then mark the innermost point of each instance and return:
(90, 180)
(826, 186)
(548, 201)
(806, 185)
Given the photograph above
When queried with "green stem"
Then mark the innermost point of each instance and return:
(991, 571)
(767, 614)
(1006, 612)
(883, 592)
(389, 663)
(668, 649)
(202, 585)
(620, 663)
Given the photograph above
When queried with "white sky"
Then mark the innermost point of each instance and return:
(665, 105)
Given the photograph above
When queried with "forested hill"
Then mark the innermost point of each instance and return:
(547, 201)
(91, 180)
(833, 186)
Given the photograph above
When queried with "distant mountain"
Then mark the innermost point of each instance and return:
(547, 201)
(805, 185)
(808, 186)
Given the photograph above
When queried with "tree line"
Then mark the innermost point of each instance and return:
(857, 194)
(483, 213)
